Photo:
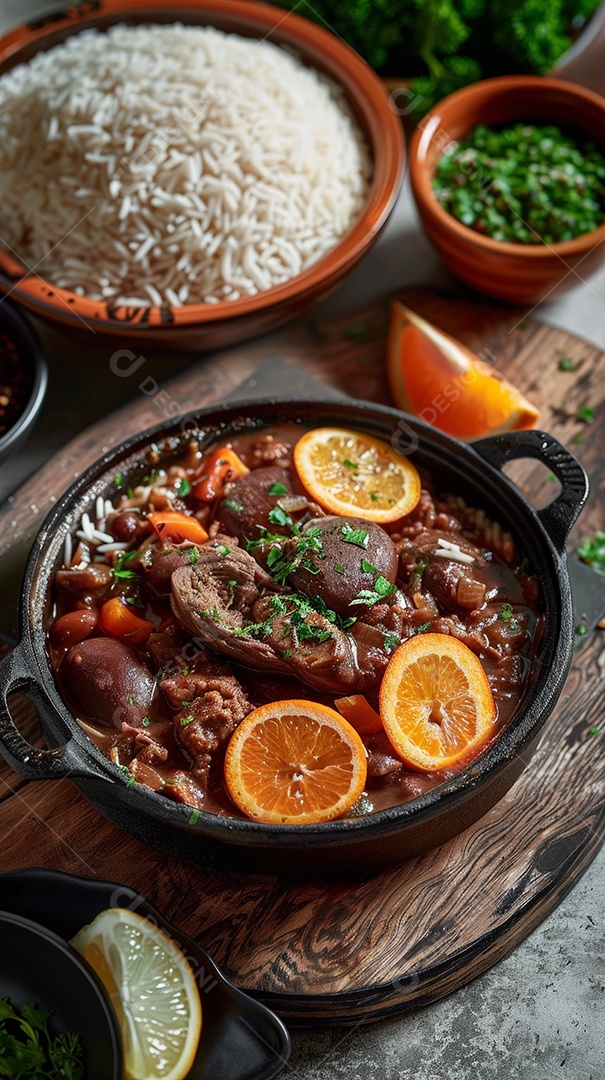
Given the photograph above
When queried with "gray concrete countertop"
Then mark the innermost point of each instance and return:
(537, 1014)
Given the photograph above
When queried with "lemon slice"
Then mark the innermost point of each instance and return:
(152, 989)
(354, 474)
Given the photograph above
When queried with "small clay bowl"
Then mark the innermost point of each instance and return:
(31, 368)
(192, 327)
(518, 273)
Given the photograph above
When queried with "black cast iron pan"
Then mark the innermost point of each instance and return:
(341, 847)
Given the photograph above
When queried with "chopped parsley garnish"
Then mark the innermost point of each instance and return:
(417, 573)
(507, 616)
(286, 654)
(145, 722)
(355, 331)
(193, 555)
(565, 364)
(214, 614)
(422, 629)
(151, 477)
(295, 608)
(132, 699)
(300, 547)
(367, 567)
(134, 601)
(185, 671)
(359, 537)
(27, 1049)
(184, 487)
(586, 414)
(278, 489)
(118, 479)
(382, 589)
(391, 641)
(350, 464)
(118, 570)
(506, 612)
(593, 552)
(126, 770)
(374, 496)
(194, 817)
(236, 507)
(186, 720)
(277, 516)
(339, 568)
(223, 549)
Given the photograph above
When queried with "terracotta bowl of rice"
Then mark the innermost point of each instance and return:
(189, 175)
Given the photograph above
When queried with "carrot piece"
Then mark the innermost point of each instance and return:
(215, 471)
(176, 526)
(357, 710)
(118, 620)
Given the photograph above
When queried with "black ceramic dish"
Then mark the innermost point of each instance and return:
(241, 1039)
(38, 965)
(356, 846)
(33, 360)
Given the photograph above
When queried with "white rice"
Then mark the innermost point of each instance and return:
(172, 165)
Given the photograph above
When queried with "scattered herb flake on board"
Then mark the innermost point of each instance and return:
(593, 731)
(551, 478)
(593, 552)
(278, 489)
(359, 537)
(586, 414)
(29, 1052)
(577, 440)
(565, 364)
(184, 487)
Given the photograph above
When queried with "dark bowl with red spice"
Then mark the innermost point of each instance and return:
(23, 379)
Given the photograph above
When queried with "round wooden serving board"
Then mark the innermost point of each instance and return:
(356, 950)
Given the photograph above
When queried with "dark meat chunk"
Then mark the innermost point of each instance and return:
(449, 568)
(421, 517)
(128, 526)
(336, 571)
(219, 600)
(165, 645)
(183, 788)
(267, 450)
(382, 760)
(203, 674)
(247, 504)
(107, 682)
(205, 726)
(160, 564)
(94, 577)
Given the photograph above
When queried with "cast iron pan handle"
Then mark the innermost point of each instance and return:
(559, 516)
(29, 761)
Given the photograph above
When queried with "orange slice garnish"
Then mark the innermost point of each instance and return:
(435, 377)
(295, 763)
(436, 703)
(356, 475)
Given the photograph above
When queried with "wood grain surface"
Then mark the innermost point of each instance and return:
(355, 950)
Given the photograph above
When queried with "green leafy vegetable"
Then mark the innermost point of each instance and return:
(359, 537)
(593, 552)
(28, 1051)
(278, 489)
(445, 44)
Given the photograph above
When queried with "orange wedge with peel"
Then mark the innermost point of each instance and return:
(436, 703)
(440, 380)
(295, 762)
